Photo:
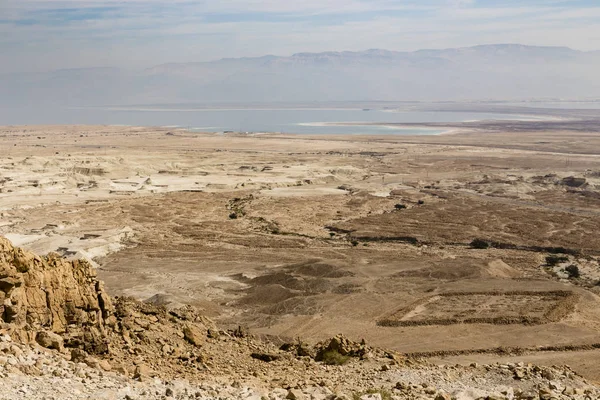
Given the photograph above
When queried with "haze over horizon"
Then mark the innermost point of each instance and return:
(45, 35)
(73, 53)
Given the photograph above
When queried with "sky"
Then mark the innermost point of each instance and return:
(42, 35)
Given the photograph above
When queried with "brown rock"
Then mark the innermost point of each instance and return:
(343, 346)
(121, 369)
(194, 335)
(105, 365)
(50, 293)
(78, 355)
(142, 373)
(49, 340)
(92, 362)
(295, 394)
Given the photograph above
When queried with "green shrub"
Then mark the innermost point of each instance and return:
(555, 260)
(573, 271)
(479, 244)
(333, 357)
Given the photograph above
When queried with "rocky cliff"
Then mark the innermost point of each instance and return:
(43, 296)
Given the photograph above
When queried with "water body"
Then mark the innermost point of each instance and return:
(299, 121)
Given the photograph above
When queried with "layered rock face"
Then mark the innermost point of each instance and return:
(41, 296)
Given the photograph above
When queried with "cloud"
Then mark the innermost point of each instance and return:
(46, 34)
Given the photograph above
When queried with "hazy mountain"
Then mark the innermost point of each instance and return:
(482, 72)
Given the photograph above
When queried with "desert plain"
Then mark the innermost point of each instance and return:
(476, 246)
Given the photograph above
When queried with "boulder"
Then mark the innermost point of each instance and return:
(295, 394)
(78, 355)
(50, 340)
(194, 335)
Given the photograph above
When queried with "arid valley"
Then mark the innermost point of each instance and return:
(461, 248)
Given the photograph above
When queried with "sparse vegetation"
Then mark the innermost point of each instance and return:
(354, 243)
(573, 271)
(479, 244)
(399, 206)
(233, 215)
(554, 260)
(333, 357)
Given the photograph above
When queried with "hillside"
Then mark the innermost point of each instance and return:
(61, 337)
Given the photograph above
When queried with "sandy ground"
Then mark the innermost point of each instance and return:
(312, 236)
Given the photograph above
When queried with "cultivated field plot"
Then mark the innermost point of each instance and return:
(500, 308)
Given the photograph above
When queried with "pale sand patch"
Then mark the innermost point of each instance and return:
(303, 192)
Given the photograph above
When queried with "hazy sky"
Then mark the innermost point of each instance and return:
(48, 34)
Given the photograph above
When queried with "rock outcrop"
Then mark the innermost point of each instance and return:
(42, 296)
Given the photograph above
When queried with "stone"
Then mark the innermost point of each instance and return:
(194, 335)
(50, 340)
(545, 394)
(371, 396)
(78, 355)
(443, 396)
(569, 391)
(105, 365)
(549, 375)
(142, 373)
(295, 394)
(92, 362)
(265, 357)
(519, 374)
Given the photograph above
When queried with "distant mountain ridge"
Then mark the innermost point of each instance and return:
(497, 50)
(500, 71)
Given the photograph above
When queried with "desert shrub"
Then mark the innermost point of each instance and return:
(333, 357)
(573, 271)
(354, 243)
(553, 260)
(479, 244)
(399, 206)
(562, 250)
(233, 215)
(421, 202)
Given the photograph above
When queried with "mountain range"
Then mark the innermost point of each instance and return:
(505, 71)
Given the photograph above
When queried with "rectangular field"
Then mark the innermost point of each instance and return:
(485, 307)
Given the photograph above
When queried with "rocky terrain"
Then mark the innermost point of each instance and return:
(63, 337)
(446, 251)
